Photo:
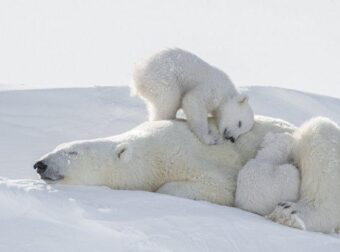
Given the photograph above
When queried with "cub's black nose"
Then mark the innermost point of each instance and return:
(40, 167)
(227, 136)
(231, 139)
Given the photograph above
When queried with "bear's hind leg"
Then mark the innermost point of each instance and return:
(288, 214)
(306, 216)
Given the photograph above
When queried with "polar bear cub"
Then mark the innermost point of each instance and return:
(174, 79)
(269, 178)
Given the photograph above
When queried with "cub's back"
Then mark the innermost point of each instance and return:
(177, 67)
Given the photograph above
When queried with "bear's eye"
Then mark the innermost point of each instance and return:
(239, 124)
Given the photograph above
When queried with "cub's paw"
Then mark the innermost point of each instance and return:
(211, 139)
(286, 213)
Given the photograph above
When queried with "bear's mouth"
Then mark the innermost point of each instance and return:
(51, 178)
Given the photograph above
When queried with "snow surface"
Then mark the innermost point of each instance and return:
(35, 216)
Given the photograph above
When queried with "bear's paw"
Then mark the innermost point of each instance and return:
(286, 213)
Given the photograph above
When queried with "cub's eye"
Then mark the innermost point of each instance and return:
(239, 124)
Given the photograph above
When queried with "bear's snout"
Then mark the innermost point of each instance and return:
(46, 171)
(227, 136)
(40, 167)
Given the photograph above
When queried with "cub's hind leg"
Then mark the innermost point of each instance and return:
(164, 106)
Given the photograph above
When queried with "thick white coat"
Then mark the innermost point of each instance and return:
(174, 79)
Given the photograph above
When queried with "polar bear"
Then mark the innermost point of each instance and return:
(174, 79)
(270, 177)
(316, 151)
(159, 156)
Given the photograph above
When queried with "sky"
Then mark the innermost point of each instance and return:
(72, 43)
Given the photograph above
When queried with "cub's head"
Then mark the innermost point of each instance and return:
(235, 117)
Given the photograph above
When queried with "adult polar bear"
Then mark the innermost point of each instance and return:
(162, 156)
(166, 157)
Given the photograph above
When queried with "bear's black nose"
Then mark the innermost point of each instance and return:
(40, 167)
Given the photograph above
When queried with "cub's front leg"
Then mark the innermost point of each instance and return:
(197, 116)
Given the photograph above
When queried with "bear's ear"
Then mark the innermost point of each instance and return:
(123, 152)
(243, 99)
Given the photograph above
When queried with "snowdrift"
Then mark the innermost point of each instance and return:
(39, 217)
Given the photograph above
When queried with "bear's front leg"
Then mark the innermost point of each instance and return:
(197, 191)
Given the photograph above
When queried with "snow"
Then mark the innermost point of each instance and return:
(35, 216)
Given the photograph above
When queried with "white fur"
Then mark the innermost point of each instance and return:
(268, 179)
(174, 79)
(317, 154)
(162, 156)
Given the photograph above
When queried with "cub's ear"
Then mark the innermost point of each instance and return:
(123, 152)
(243, 99)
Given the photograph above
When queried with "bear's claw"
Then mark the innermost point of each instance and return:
(283, 214)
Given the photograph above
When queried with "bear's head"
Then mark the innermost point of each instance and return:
(91, 162)
(235, 117)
